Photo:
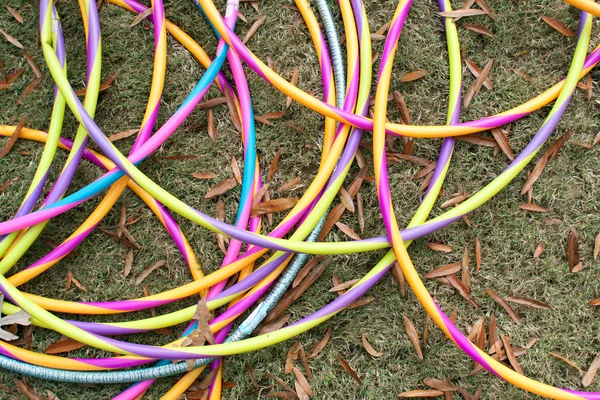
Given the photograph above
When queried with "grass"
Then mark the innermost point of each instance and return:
(569, 188)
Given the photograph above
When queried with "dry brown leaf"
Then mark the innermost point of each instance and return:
(233, 110)
(573, 249)
(292, 355)
(274, 165)
(11, 39)
(190, 157)
(413, 335)
(203, 175)
(15, 14)
(273, 206)
(532, 207)
(478, 254)
(281, 306)
(557, 145)
(510, 354)
(596, 139)
(300, 392)
(141, 16)
(454, 201)
(27, 390)
(346, 200)
(211, 103)
(362, 301)
(303, 381)
(344, 286)
(12, 139)
(63, 346)
(32, 64)
(596, 246)
(401, 105)
(304, 361)
(477, 29)
(211, 127)
(320, 345)
(444, 270)
(12, 77)
(478, 140)
(126, 242)
(513, 314)
(128, 263)
(305, 270)
(347, 230)
(502, 141)
(571, 363)
(535, 174)
(476, 71)
(443, 248)
(421, 393)
(591, 372)
(254, 28)
(539, 250)
(595, 302)
(458, 14)
(281, 382)
(271, 64)
(476, 86)
(104, 85)
(558, 25)
(7, 183)
(294, 82)
(529, 302)
(349, 369)
(461, 289)
(484, 7)
(334, 215)
(273, 326)
(235, 168)
(361, 213)
(465, 274)
(399, 278)
(221, 188)
(146, 272)
(290, 185)
(523, 75)
(413, 76)
(370, 348)
(251, 374)
(438, 384)
(314, 274)
(122, 135)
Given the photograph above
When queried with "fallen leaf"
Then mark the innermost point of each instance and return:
(63, 346)
(146, 272)
(221, 188)
(596, 139)
(12, 139)
(478, 140)
(444, 248)
(254, 28)
(293, 82)
(281, 382)
(477, 29)
(274, 165)
(476, 71)
(349, 369)
(454, 201)
(465, 266)
(32, 64)
(347, 230)
(444, 270)
(484, 7)
(211, 103)
(314, 274)
(502, 141)
(304, 361)
(203, 175)
(104, 85)
(233, 111)
(523, 75)
(27, 390)
(362, 301)
(476, 86)
(236, 170)
(571, 363)
(370, 348)
(346, 200)
(413, 335)
(401, 105)
(122, 135)
(511, 355)
(461, 289)
(535, 174)
(273, 206)
(128, 263)
(532, 207)
(413, 76)
(211, 128)
(11, 39)
(539, 250)
(292, 184)
(320, 345)
(440, 385)
(190, 157)
(596, 245)
(302, 380)
(20, 318)
(7, 183)
(558, 25)
(141, 16)
(15, 14)
(344, 286)
(528, 302)
(361, 214)
(421, 393)
(300, 392)
(458, 14)
(478, 254)
(573, 249)
(251, 374)
(399, 278)
(513, 314)
(292, 355)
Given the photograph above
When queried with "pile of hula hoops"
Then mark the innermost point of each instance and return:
(348, 93)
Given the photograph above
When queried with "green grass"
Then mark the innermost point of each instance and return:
(569, 188)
